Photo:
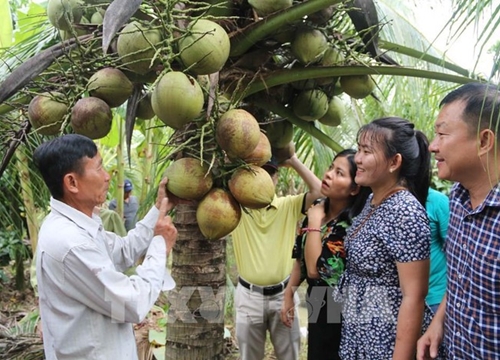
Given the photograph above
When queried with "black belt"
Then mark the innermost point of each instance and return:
(265, 290)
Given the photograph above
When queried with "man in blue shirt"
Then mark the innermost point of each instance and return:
(130, 205)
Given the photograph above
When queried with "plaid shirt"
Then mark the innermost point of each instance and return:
(473, 294)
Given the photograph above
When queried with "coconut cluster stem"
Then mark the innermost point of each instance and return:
(243, 40)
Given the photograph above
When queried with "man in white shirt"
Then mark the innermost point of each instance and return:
(87, 305)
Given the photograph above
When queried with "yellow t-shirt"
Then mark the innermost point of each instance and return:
(264, 238)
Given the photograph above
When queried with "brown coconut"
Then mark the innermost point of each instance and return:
(218, 214)
(188, 179)
(237, 133)
(91, 117)
(144, 109)
(253, 187)
(111, 85)
(262, 152)
(46, 113)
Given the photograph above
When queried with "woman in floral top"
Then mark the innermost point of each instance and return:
(319, 250)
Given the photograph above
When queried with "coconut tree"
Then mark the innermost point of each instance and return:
(266, 70)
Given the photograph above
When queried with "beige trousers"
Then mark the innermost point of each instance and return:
(257, 313)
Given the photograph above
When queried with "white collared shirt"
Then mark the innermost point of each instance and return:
(87, 305)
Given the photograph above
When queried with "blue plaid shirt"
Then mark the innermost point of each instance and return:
(473, 295)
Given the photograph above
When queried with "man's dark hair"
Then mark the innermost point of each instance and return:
(60, 156)
(482, 106)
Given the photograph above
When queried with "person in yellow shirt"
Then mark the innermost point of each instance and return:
(263, 241)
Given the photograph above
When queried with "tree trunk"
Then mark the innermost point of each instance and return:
(195, 326)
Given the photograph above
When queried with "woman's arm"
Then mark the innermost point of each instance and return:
(413, 278)
(313, 243)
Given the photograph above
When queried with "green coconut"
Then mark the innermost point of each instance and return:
(266, 7)
(111, 85)
(331, 57)
(279, 133)
(144, 109)
(188, 178)
(46, 113)
(91, 117)
(206, 49)
(96, 18)
(308, 45)
(218, 214)
(284, 153)
(357, 86)
(177, 99)
(262, 152)
(310, 105)
(137, 45)
(335, 112)
(253, 187)
(63, 13)
(237, 133)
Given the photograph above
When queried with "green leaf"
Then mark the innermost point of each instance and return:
(159, 353)
(29, 22)
(5, 24)
(113, 137)
(157, 338)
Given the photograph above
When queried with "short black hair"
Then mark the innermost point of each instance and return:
(60, 156)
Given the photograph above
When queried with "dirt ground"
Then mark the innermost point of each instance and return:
(19, 317)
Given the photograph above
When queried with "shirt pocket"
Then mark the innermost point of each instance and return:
(484, 284)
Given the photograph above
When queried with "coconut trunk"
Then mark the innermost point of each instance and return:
(195, 325)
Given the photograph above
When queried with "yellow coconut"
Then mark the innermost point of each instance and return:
(262, 152)
(188, 178)
(206, 49)
(253, 187)
(218, 214)
(177, 99)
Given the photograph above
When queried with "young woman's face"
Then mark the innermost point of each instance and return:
(337, 182)
(373, 167)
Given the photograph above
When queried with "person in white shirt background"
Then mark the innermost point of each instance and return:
(87, 304)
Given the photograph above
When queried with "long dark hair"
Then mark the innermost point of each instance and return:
(398, 136)
(356, 202)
